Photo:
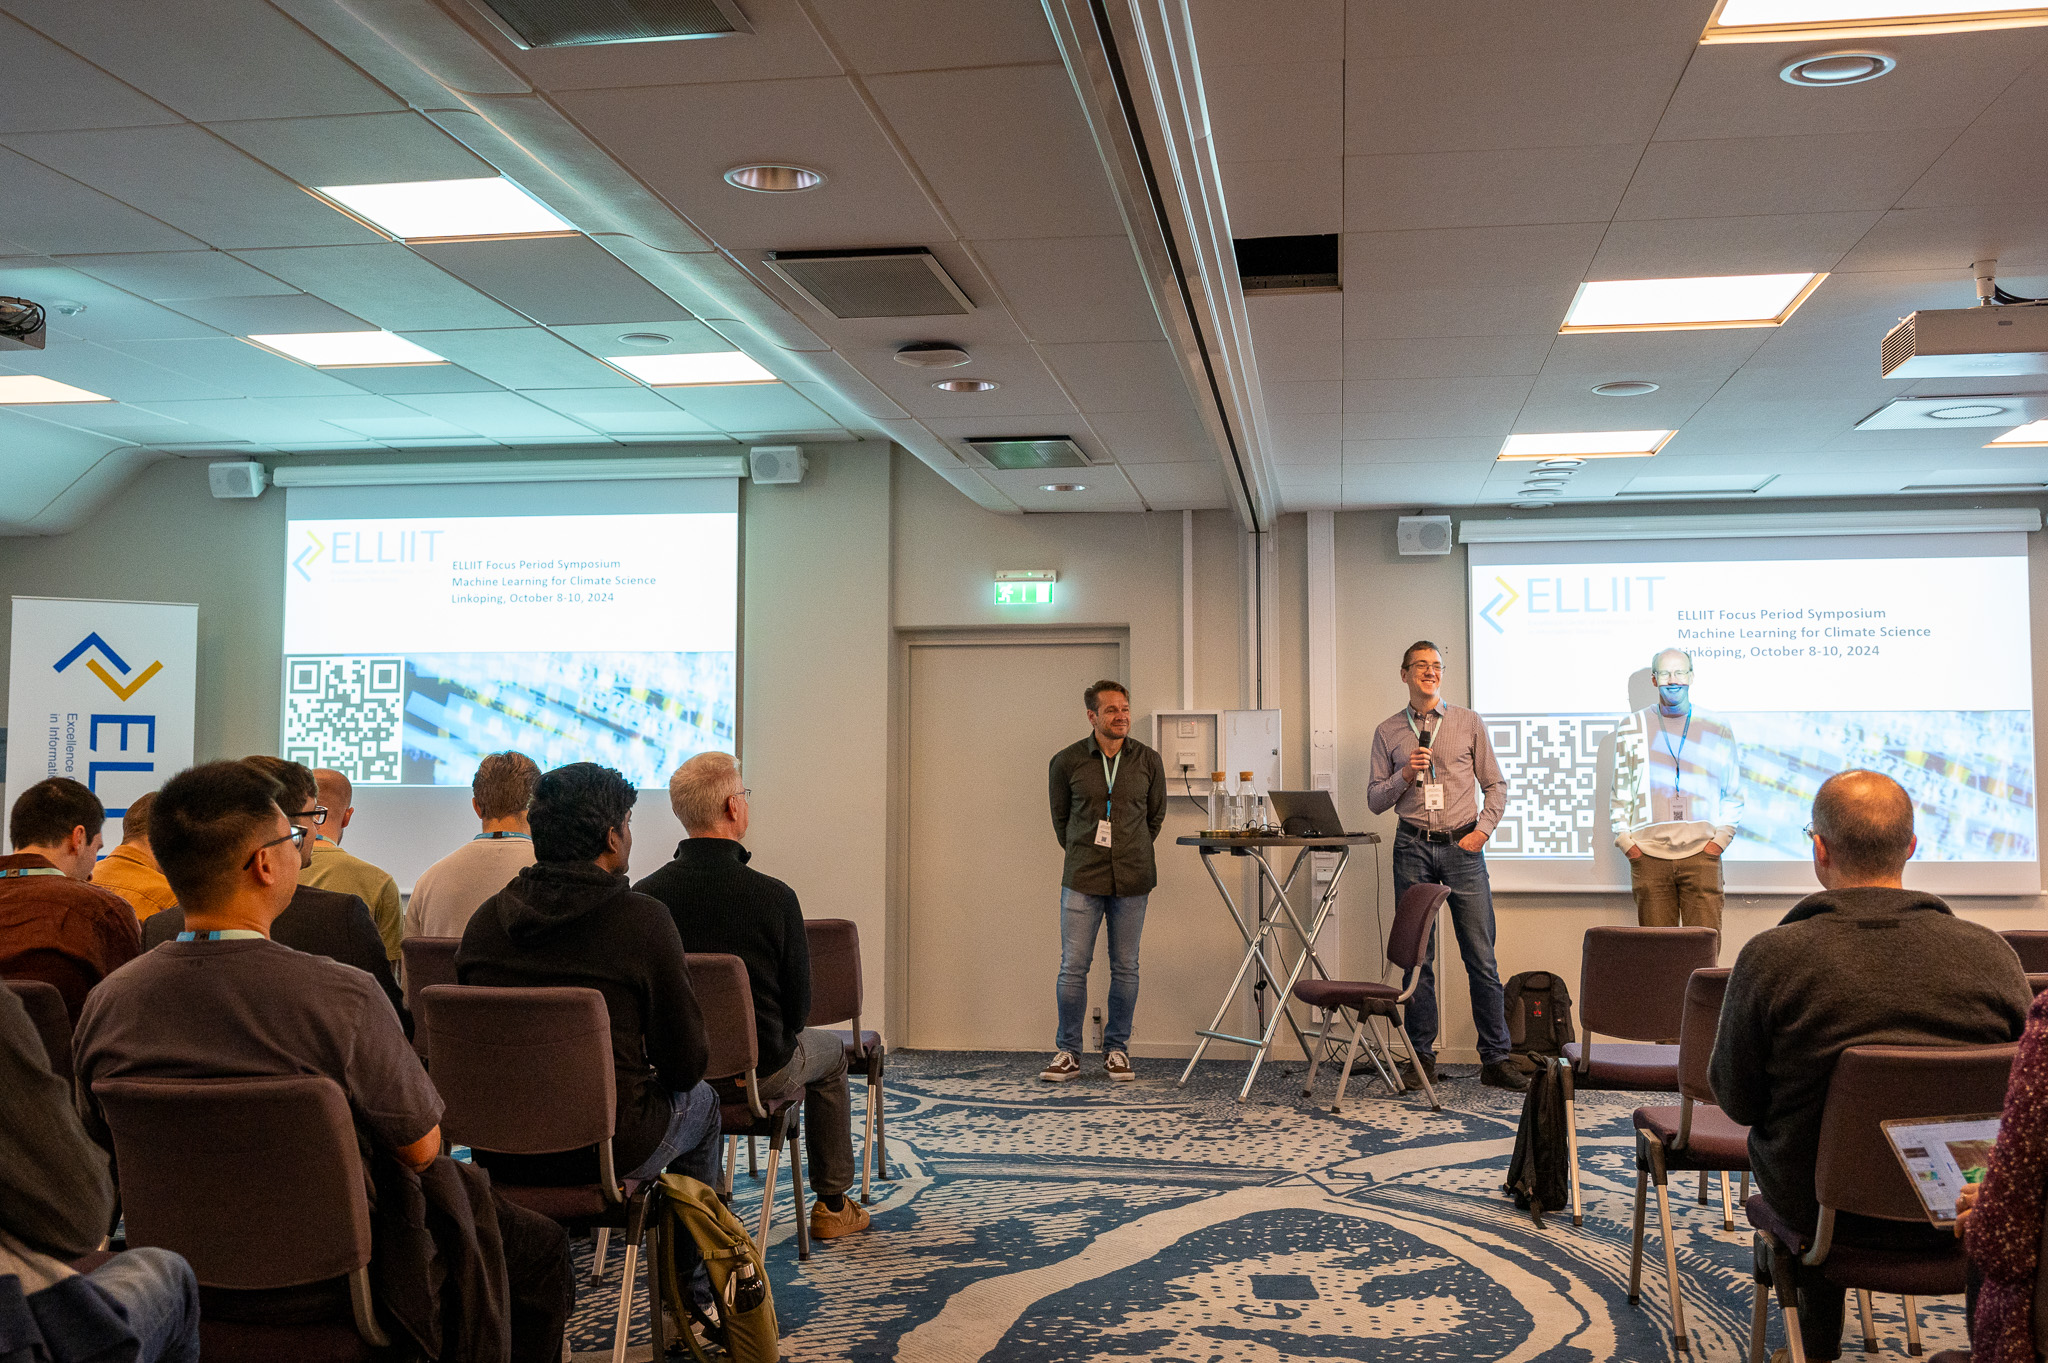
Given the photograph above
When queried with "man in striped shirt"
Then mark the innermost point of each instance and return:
(1677, 800)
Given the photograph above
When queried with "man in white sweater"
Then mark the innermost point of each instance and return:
(1677, 800)
(450, 890)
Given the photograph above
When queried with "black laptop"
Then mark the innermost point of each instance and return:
(1307, 814)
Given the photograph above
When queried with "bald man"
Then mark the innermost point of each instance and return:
(333, 869)
(1677, 800)
(1866, 962)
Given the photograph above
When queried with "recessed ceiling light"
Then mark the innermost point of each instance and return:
(347, 349)
(1760, 21)
(1561, 465)
(716, 367)
(1969, 411)
(2033, 433)
(966, 386)
(1542, 484)
(1062, 487)
(1586, 444)
(646, 340)
(932, 355)
(1829, 69)
(1754, 300)
(450, 210)
(1625, 388)
(26, 390)
(773, 179)
(1530, 506)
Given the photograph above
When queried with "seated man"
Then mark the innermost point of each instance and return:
(56, 1203)
(130, 870)
(448, 892)
(322, 922)
(1866, 962)
(569, 919)
(721, 904)
(53, 925)
(225, 1001)
(330, 868)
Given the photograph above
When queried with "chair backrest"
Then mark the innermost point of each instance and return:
(1856, 1170)
(727, 1002)
(257, 1182)
(428, 961)
(1414, 916)
(2037, 981)
(835, 970)
(1704, 991)
(522, 1071)
(1632, 980)
(45, 1008)
(2031, 945)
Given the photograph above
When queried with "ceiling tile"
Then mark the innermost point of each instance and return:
(1303, 398)
(1997, 163)
(1654, 355)
(1284, 198)
(750, 407)
(195, 182)
(1120, 377)
(1228, 34)
(355, 149)
(226, 59)
(239, 367)
(110, 314)
(526, 357)
(621, 411)
(1295, 317)
(397, 429)
(1508, 310)
(1412, 485)
(1557, 97)
(1179, 487)
(1428, 450)
(784, 43)
(1397, 28)
(2016, 235)
(912, 35)
(1304, 361)
(1276, 111)
(1304, 489)
(1485, 188)
(1081, 289)
(166, 276)
(1135, 438)
(1296, 438)
(48, 212)
(44, 460)
(110, 373)
(1442, 357)
(496, 414)
(247, 419)
(1449, 398)
(271, 314)
(684, 338)
(1493, 422)
(1682, 248)
(401, 381)
(50, 89)
(1107, 489)
(561, 280)
(1472, 257)
(386, 285)
(1726, 177)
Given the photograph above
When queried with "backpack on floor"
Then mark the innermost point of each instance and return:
(745, 1313)
(1539, 1172)
(1539, 1014)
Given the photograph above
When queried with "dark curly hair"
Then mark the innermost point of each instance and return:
(574, 807)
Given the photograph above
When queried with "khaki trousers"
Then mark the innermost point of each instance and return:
(1672, 894)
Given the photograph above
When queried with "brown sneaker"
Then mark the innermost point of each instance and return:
(1064, 1066)
(1119, 1066)
(827, 1224)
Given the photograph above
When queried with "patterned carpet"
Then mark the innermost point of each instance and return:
(1031, 1221)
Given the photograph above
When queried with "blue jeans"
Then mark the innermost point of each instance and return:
(1428, 863)
(1080, 916)
(155, 1289)
(692, 1142)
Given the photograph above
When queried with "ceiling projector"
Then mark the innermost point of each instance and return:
(1967, 343)
(21, 324)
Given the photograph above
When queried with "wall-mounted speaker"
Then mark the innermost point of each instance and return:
(777, 464)
(1423, 535)
(238, 479)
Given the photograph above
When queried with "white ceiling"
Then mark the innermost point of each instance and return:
(1479, 159)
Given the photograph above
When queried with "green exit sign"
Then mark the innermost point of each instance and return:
(1023, 593)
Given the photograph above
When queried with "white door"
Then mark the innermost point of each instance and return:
(983, 929)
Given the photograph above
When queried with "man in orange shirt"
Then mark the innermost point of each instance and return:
(54, 926)
(130, 870)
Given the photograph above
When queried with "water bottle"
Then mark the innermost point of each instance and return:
(1247, 802)
(1216, 798)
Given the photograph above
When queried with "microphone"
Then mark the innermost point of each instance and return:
(1427, 737)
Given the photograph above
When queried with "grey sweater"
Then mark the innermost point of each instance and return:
(1859, 967)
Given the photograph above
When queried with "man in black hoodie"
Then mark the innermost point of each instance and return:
(570, 919)
(1866, 962)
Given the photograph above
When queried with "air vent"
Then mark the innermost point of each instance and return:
(583, 23)
(1030, 451)
(1288, 264)
(891, 282)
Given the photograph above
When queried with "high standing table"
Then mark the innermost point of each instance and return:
(1256, 939)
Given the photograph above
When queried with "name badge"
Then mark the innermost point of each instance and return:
(1433, 795)
(1681, 809)
(1102, 832)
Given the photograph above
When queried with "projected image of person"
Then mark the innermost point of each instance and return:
(1677, 800)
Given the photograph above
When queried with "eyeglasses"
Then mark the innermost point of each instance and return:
(317, 814)
(297, 838)
(1809, 833)
(1670, 678)
(1428, 669)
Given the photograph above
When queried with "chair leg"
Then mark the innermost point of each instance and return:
(1727, 1212)
(1788, 1301)
(1681, 1340)
(1759, 1314)
(1743, 1196)
(867, 1140)
(768, 1189)
(1428, 1089)
(753, 1169)
(1571, 1133)
(881, 1120)
(654, 1315)
(1635, 1258)
(604, 1240)
(1912, 1326)
(1315, 1054)
(1703, 1187)
(796, 1189)
(1350, 1059)
(732, 1146)
(624, 1324)
(1869, 1330)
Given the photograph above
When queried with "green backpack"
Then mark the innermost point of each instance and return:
(739, 1280)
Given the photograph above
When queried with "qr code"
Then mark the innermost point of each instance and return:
(345, 713)
(1552, 766)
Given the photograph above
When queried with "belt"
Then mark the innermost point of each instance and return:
(1418, 831)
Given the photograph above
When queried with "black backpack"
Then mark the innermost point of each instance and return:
(1539, 1010)
(1539, 1172)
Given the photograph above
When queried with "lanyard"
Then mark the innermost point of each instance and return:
(1677, 758)
(1109, 778)
(29, 871)
(489, 837)
(221, 935)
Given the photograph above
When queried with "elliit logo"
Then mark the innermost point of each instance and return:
(306, 556)
(1493, 610)
(92, 665)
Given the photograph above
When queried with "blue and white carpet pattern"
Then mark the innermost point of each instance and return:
(1030, 1221)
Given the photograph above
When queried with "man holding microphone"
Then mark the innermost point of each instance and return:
(1430, 764)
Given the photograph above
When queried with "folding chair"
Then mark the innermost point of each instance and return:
(836, 996)
(727, 1001)
(1411, 946)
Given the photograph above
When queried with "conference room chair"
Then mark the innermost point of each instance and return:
(2031, 946)
(257, 1182)
(524, 1071)
(1632, 987)
(428, 961)
(45, 1007)
(837, 996)
(1417, 919)
(1694, 1135)
(1856, 1171)
(727, 1001)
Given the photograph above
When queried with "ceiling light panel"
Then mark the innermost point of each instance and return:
(690, 371)
(2033, 433)
(1762, 300)
(1756, 21)
(347, 349)
(24, 390)
(450, 210)
(1585, 444)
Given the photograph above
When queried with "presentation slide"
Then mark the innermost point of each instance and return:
(416, 644)
(1905, 654)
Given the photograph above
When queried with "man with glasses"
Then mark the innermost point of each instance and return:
(318, 922)
(1431, 764)
(1677, 800)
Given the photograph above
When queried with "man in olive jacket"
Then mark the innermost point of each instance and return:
(1108, 802)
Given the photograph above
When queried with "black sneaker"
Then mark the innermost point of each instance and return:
(1499, 1074)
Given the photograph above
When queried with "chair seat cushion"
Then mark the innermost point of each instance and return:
(1914, 1273)
(864, 1053)
(582, 1203)
(738, 1119)
(329, 1342)
(1343, 993)
(1764, 1217)
(1626, 1066)
(1717, 1140)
